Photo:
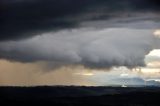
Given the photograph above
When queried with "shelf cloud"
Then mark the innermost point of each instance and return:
(93, 33)
(92, 47)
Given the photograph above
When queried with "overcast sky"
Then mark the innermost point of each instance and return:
(48, 37)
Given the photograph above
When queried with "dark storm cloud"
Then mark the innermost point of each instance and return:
(24, 18)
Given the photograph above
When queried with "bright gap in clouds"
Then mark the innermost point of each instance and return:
(157, 33)
(155, 52)
(153, 59)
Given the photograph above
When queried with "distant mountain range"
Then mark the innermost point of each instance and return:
(135, 82)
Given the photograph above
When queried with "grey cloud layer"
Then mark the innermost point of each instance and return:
(90, 47)
(94, 33)
(26, 18)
